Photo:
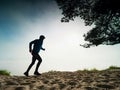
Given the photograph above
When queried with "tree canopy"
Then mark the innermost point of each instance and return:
(103, 14)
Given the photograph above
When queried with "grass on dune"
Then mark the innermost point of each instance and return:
(4, 72)
(110, 68)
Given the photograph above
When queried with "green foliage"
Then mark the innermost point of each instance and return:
(87, 70)
(104, 14)
(113, 68)
(94, 70)
(4, 72)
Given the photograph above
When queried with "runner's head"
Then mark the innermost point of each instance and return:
(42, 37)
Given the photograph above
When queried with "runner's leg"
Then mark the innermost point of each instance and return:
(39, 62)
(32, 63)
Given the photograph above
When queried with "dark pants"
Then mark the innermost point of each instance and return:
(35, 56)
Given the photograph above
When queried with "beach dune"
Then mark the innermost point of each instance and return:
(56, 80)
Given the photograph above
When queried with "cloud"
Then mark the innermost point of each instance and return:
(15, 14)
(30, 8)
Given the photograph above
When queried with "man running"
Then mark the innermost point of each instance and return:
(37, 45)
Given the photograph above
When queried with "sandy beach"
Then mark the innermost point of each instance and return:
(55, 80)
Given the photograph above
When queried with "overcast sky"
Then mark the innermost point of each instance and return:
(22, 21)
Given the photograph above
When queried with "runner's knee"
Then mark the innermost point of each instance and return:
(40, 60)
(32, 63)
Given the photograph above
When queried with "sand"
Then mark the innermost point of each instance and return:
(55, 80)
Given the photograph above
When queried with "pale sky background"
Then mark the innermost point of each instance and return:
(25, 20)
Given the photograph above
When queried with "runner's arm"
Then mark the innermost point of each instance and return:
(30, 46)
(43, 49)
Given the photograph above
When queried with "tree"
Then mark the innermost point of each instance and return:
(103, 14)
